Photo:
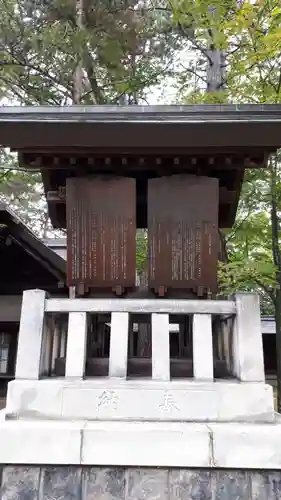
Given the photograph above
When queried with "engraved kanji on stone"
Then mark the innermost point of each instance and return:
(108, 399)
(169, 403)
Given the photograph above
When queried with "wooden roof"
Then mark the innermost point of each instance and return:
(142, 142)
(132, 127)
(25, 261)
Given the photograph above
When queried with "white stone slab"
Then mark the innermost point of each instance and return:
(160, 346)
(247, 339)
(142, 306)
(76, 345)
(30, 335)
(146, 444)
(30, 442)
(30, 398)
(250, 402)
(247, 446)
(203, 365)
(112, 399)
(119, 334)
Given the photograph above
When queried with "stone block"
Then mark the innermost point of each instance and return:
(128, 483)
(76, 345)
(190, 484)
(231, 485)
(30, 336)
(34, 442)
(147, 484)
(151, 444)
(146, 403)
(247, 446)
(247, 339)
(103, 483)
(245, 402)
(34, 399)
(20, 483)
(61, 483)
(266, 485)
(112, 399)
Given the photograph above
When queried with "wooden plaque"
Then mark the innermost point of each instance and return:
(101, 231)
(183, 232)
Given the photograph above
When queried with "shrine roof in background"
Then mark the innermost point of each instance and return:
(26, 262)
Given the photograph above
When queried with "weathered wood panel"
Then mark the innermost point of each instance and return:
(101, 231)
(183, 232)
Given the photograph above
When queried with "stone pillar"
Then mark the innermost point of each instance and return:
(203, 364)
(118, 356)
(47, 346)
(160, 346)
(63, 334)
(76, 345)
(56, 346)
(30, 335)
(248, 364)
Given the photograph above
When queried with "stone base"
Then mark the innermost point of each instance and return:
(145, 444)
(138, 400)
(77, 483)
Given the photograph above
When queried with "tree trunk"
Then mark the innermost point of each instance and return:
(215, 69)
(78, 72)
(216, 62)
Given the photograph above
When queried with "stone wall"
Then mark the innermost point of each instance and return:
(71, 483)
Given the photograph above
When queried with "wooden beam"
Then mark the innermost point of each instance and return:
(225, 196)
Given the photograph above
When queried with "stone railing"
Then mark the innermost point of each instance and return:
(242, 397)
(242, 340)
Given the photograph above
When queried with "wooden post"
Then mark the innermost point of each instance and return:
(160, 346)
(248, 361)
(118, 356)
(203, 364)
(30, 335)
(76, 345)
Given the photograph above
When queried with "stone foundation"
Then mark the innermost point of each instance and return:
(89, 483)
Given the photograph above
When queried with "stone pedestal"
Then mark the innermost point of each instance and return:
(141, 439)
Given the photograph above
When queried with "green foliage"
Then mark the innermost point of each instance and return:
(123, 48)
(249, 243)
(250, 266)
(23, 193)
(141, 245)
